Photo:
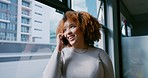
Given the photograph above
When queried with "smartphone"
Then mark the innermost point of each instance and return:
(65, 41)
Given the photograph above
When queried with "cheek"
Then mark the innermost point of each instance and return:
(79, 33)
(64, 34)
(75, 30)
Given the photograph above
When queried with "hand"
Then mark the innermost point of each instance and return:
(60, 44)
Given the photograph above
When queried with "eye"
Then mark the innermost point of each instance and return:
(72, 26)
(64, 30)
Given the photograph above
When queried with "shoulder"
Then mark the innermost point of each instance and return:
(100, 52)
(66, 51)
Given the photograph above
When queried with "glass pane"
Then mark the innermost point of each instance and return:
(94, 8)
(101, 43)
(126, 27)
(27, 44)
(135, 55)
(101, 13)
(102, 40)
(54, 20)
(90, 6)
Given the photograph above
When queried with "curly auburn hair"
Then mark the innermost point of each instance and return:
(86, 22)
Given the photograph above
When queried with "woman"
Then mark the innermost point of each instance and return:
(74, 55)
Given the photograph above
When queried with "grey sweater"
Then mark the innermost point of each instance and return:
(94, 63)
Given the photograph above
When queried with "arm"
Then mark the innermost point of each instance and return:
(53, 68)
(107, 65)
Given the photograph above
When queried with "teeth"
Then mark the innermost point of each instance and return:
(71, 37)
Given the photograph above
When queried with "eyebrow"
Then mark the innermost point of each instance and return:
(68, 25)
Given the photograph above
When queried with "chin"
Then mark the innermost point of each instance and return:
(72, 43)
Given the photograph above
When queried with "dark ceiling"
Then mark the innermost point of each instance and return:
(137, 8)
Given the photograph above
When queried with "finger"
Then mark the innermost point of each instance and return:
(60, 36)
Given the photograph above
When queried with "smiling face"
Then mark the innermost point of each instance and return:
(73, 33)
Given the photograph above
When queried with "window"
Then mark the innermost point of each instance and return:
(13, 9)
(37, 21)
(36, 38)
(11, 26)
(25, 3)
(26, 44)
(38, 13)
(10, 36)
(3, 6)
(125, 26)
(25, 12)
(95, 8)
(25, 29)
(53, 24)
(25, 20)
(3, 16)
(13, 18)
(2, 35)
(38, 29)
(85, 5)
(3, 25)
(38, 6)
(14, 1)
(24, 37)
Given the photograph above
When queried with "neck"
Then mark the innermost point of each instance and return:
(80, 49)
(80, 46)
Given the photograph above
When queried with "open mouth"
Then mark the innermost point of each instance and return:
(71, 37)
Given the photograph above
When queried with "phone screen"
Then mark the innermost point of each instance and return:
(65, 41)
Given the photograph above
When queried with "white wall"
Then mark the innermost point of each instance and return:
(44, 26)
